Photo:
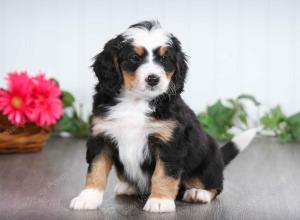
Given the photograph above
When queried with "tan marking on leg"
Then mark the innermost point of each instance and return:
(100, 168)
(130, 80)
(163, 130)
(163, 187)
(196, 191)
(139, 50)
(193, 182)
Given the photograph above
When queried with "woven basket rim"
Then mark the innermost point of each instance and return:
(26, 138)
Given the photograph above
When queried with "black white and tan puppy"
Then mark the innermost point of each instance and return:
(141, 125)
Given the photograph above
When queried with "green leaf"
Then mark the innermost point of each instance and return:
(204, 118)
(272, 119)
(68, 99)
(285, 137)
(221, 114)
(294, 125)
(217, 120)
(82, 128)
(243, 118)
(74, 125)
(72, 121)
(250, 98)
(65, 124)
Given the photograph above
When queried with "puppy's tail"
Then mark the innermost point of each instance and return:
(238, 143)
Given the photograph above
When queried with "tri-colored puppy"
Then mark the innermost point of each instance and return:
(142, 126)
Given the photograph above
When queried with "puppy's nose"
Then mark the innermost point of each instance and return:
(152, 80)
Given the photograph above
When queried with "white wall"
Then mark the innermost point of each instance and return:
(235, 46)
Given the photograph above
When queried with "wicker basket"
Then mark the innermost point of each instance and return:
(28, 138)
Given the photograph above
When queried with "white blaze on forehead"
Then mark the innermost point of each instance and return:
(152, 39)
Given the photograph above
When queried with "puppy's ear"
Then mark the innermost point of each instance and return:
(179, 76)
(106, 67)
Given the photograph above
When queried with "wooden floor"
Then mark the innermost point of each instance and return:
(261, 183)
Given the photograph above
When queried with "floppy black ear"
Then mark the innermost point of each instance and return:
(106, 67)
(179, 76)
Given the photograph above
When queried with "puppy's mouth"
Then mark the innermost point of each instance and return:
(152, 88)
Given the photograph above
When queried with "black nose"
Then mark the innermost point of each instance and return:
(152, 80)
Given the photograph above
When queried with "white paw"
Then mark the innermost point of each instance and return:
(123, 188)
(159, 205)
(197, 195)
(88, 199)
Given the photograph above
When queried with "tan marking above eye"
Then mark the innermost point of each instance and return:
(162, 51)
(139, 50)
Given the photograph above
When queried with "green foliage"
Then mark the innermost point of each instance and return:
(218, 119)
(287, 129)
(72, 124)
(68, 99)
(273, 118)
(293, 123)
(72, 121)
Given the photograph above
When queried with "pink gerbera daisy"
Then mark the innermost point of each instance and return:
(46, 101)
(15, 103)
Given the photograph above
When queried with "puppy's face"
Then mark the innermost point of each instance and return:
(147, 62)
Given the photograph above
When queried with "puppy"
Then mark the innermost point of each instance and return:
(141, 125)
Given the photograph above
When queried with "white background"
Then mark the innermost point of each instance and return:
(234, 46)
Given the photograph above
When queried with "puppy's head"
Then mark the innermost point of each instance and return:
(145, 61)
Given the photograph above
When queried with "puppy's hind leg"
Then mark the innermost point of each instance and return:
(196, 193)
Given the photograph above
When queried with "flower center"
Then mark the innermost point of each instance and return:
(16, 102)
(41, 98)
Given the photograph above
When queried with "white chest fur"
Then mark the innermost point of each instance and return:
(128, 124)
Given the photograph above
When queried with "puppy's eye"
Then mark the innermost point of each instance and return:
(134, 58)
(163, 59)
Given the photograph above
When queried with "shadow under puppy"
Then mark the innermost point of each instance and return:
(141, 125)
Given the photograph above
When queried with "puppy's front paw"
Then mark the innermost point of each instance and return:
(159, 205)
(88, 199)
